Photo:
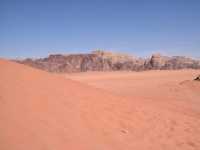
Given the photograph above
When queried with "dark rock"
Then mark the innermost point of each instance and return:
(197, 78)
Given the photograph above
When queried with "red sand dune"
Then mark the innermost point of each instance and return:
(42, 111)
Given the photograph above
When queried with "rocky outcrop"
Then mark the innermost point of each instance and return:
(157, 61)
(197, 78)
(179, 62)
(113, 57)
(69, 63)
(107, 61)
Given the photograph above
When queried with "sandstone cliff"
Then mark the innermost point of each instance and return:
(108, 61)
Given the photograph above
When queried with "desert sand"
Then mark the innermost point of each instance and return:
(150, 110)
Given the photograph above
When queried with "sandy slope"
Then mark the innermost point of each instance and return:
(166, 87)
(43, 111)
(172, 95)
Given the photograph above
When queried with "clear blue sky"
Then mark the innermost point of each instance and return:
(35, 28)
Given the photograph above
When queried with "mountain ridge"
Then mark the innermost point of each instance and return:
(109, 61)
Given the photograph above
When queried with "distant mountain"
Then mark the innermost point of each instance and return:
(108, 61)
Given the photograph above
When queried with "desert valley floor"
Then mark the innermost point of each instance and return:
(149, 110)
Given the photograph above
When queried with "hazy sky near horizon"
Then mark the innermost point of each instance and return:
(35, 28)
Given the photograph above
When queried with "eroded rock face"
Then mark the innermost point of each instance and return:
(179, 62)
(114, 57)
(70, 63)
(158, 61)
(107, 61)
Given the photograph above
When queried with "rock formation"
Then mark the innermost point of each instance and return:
(158, 61)
(197, 78)
(108, 61)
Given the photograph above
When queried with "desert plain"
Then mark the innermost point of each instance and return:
(119, 110)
